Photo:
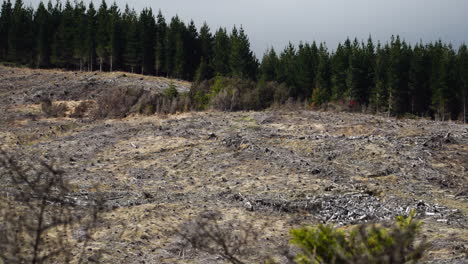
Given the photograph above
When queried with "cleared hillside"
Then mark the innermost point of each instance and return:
(276, 169)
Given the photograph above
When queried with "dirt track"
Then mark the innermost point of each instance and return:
(291, 168)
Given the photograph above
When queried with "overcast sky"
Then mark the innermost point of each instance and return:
(277, 22)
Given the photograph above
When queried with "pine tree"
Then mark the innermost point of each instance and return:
(419, 75)
(463, 75)
(42, 41)
(398, 76)
(288, 69)
(160, 46)
(80, 31)
(63, 44)
(5, 24)
(90, 37)
(147, 28)
(241, 60)
(175, 48)
(340, 62)
(103, 35)
(438, 80)
(221, 51)
(206, 52)
(452, 81)
(192, 52)
(116, 39)
(269, 66)
(179, 59)
(360, 72)
(379, 92)
(20, 34)
(202, 72)
(369, 71)
(306, 68)
(131, 53)
(322, 91)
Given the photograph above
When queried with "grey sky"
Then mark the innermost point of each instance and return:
(276, 22)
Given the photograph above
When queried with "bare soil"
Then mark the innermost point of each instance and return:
(276, 169)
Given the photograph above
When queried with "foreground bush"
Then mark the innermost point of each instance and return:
(39, 213)
(363, 244)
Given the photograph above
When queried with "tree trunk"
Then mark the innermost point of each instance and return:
(389, 104)
(100, 64)
(464, 109)
(111, 61)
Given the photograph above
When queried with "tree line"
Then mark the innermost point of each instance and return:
(394, 77)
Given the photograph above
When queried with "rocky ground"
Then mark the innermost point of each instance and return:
(275, 169)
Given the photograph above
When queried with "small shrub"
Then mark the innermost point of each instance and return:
(363, 244)
(82, 109)
(53, 110)
(118, 103)
(281, 93)
(232, 240)
(171, 92)
(199, 95)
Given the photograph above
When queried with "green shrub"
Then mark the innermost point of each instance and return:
(363, 244)
(171, 92)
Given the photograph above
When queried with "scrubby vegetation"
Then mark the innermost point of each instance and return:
(362, 244)
(366, 243)
(38, 209)
(396, 77)
(51, 109)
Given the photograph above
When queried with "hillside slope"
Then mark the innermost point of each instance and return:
(292, 168)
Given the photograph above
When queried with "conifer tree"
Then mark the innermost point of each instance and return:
(398, 76)
(340, 61)
(147, 28)
(203, 72)
(81, 26)
(419, 75)
(192, 51)
(288, 69)
(356, 80)
(221, 51)
(438, 79)
(306, 69)
(160, 45)
(42, 40)
(379, 91)
(20, 34)
(206, 52)
(103, 33)
(463, 75)
(64, 39)
(90, 37)
(269, 66)
(369, 71)
(175, 63)
(131, 50)
(322, 91)
(5, 24)
(242, 61)
(452, 81)
(116, 38)
(176, 48)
